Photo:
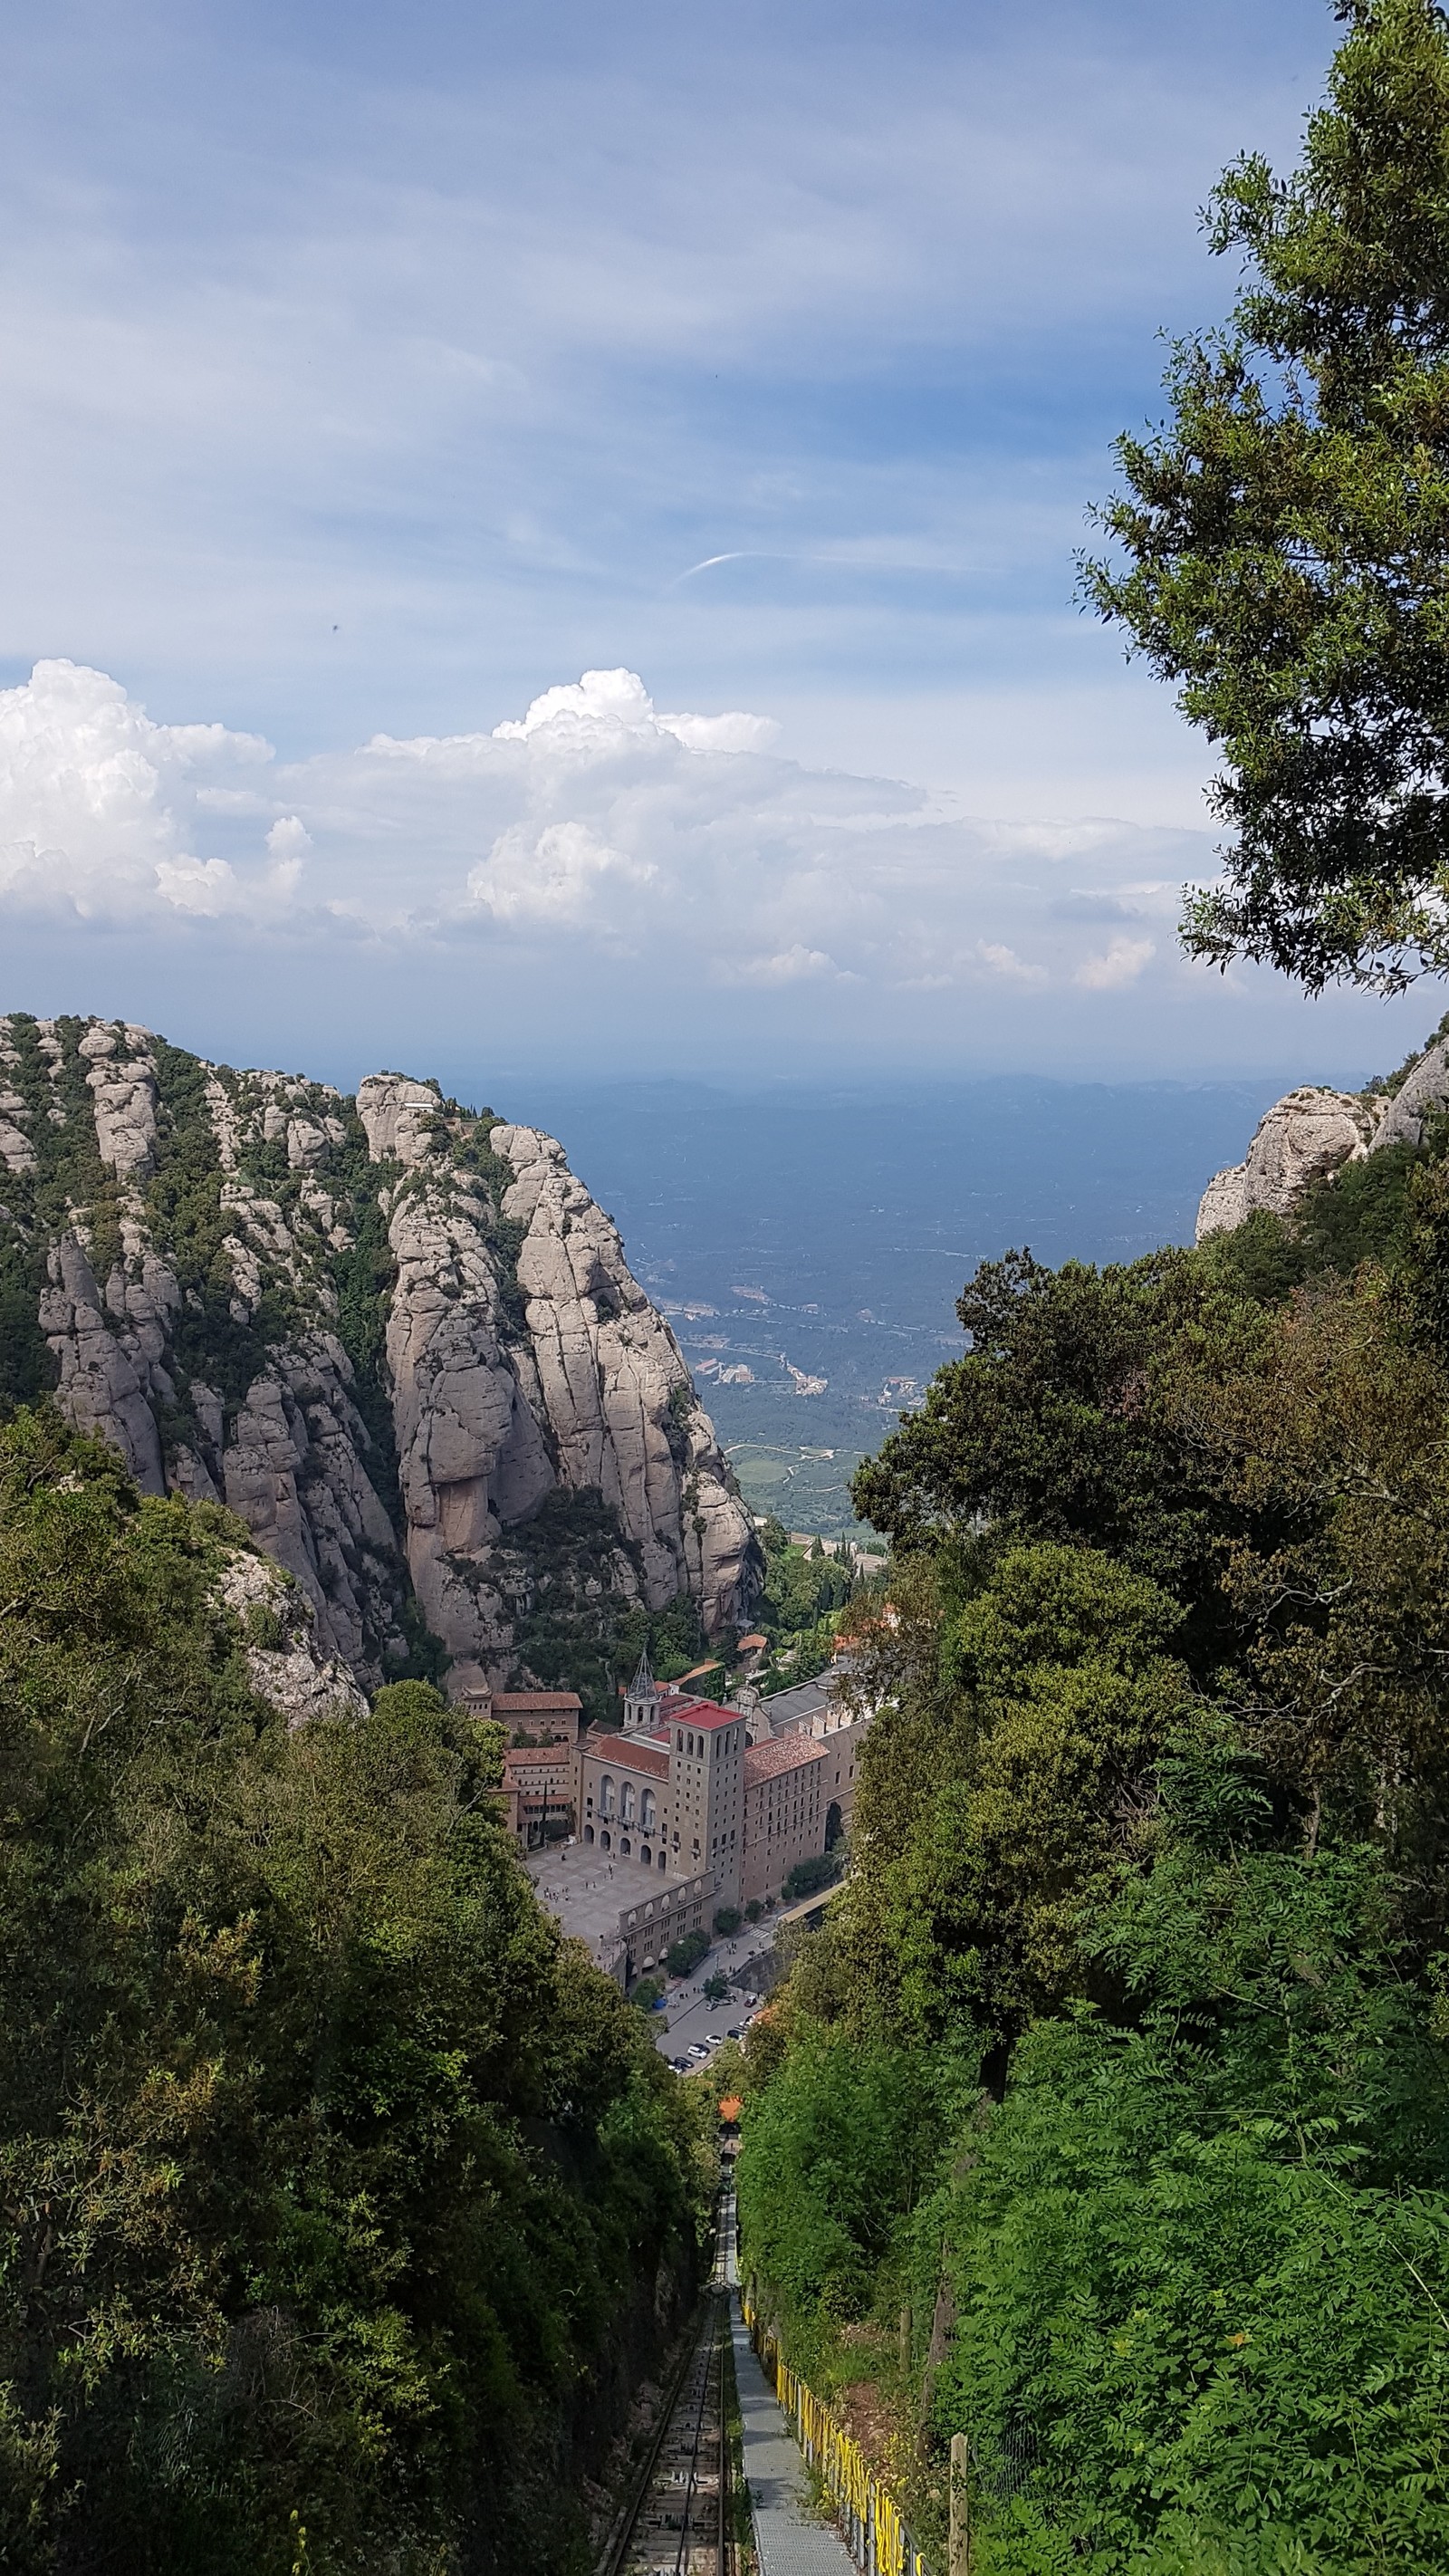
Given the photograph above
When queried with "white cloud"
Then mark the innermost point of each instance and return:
(794, 965)
(552, 876)
(96, 800)
(592, 839)
(1004, 961)
(1119, 966)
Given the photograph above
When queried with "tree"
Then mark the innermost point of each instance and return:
(1285, 538)
(329, 2168)
(716, 1988)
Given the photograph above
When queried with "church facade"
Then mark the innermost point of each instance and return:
(667, 1791)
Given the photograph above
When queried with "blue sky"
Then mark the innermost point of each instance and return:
(379, 372)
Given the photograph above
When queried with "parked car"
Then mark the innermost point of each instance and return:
(697, 2048)
(680, 2065)
(713, 2039)
(734, 2031)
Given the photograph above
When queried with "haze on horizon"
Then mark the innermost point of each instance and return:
(548, 541)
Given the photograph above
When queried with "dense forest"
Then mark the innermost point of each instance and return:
(1107, 2118)
(345, 2203)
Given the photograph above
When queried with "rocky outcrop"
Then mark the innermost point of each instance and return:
(107, 1381)
(1311, 1134)
(122, 1078)
(1303, 1136)
(284, 1662)
(526, 1360)
(211, 1275)
(1424, 1089)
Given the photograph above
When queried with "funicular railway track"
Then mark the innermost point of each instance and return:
(677, 2521)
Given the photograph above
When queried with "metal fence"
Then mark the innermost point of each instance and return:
(870, 2517)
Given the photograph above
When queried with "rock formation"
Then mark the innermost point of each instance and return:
(391, 1336)
(1311, 1134)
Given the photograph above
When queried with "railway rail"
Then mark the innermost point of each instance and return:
(677, 2521)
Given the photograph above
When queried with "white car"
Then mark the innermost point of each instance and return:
(697, 2048)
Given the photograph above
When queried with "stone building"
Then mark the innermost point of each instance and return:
(545, 1716)
(815, 1711)
(538, 1783)
(785, 1811)
(668, 1788)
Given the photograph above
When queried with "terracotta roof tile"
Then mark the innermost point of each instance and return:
(782, 1753)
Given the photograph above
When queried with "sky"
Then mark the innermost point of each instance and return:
(543, 539)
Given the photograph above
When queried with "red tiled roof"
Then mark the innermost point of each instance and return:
(704, 1714)
(781, 1753)
(628, 1752)
(535, 1703)
(556, 1754)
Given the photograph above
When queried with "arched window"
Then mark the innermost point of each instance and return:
(661, 1860)
(588, 1833)
(606, 1795)
(605, 1840)
(648, 1811)
(626, 1802)
(646, 1855)
(624, 1845)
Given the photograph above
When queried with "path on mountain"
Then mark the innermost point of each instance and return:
(789, 2539)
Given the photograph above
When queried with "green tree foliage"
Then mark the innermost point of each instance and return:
(1053, 1425)
(331, 2172)
(802, 1584)
(839, 2144)
(1149, 1908)
(1014, 1799)
(1283, 542)
(1201, 2264)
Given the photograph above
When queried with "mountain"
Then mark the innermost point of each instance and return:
(1312, 1135)
(397, 1337)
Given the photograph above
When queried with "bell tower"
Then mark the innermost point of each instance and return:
(641, 1700)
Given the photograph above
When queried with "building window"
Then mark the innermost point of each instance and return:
(626, 1803)
(604, 1840)
(647, 1811)
(606, 1795)
(624, 1846)
(588, 1833)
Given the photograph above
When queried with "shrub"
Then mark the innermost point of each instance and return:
(686, 1953)
(821, 1870)
(727, 1921)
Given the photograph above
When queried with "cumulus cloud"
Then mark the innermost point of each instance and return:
(584, 711)
(96, 801)
(556, 875)
(794, 965)
(1004, 961)
(680, 847)
(1118, 966)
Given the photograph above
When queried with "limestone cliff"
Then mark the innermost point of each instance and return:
(1310, 1134)
(400, 1340)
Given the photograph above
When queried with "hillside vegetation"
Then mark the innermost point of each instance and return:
(345, 2203)
(1106, 2120)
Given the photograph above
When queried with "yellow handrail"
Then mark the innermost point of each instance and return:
(878, 2538)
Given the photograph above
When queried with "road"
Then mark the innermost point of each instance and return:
(687, 2013)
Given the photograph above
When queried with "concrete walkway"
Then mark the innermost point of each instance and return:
(788, 2539)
